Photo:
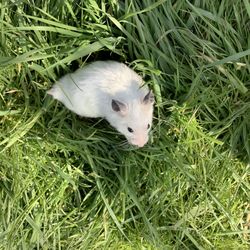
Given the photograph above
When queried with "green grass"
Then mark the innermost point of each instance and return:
(69, 183)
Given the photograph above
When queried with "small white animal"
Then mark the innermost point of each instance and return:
(110, 90)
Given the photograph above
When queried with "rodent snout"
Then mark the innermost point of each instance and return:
(139, 142)
(140, 145)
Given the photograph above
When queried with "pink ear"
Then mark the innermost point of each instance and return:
(119, 107)
(149, 98)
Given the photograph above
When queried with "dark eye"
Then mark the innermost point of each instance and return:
(130, 130)
(148, 126)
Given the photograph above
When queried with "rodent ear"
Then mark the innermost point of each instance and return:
(149, 98)
(119, 107)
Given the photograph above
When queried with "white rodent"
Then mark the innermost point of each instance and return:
(110, 90)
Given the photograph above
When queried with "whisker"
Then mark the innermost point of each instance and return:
(123, 143)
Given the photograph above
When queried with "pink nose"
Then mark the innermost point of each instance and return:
(139, 143)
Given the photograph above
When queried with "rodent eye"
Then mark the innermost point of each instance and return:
(148, 126)
(130, 130)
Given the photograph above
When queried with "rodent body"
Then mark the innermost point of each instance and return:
(110, 90)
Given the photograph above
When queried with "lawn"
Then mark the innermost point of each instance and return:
(68, 182)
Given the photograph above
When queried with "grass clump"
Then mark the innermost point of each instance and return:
(67, 183)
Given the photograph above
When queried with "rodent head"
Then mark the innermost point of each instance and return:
(133, 119)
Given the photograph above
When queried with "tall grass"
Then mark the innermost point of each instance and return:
(68, 183)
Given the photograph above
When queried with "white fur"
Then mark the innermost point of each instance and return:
(89, 92)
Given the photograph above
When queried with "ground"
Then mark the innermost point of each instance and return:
(70, 183)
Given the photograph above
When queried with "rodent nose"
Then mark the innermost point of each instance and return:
(139, 143)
